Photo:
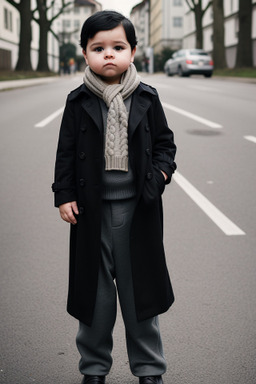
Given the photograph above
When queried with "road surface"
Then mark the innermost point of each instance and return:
(210, 237)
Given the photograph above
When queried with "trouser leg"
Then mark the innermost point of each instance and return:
(95, 343)
(143, 339)
(144, 345)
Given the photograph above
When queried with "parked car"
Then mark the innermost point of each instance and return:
(186, 62)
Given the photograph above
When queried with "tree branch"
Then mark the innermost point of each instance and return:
(64, 6)
(191, 7)
(14, 4)
(207, 6)
(54, 34)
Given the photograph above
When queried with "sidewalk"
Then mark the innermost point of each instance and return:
(11, 84)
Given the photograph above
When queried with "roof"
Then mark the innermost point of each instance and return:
(138, 6)
(82, 3)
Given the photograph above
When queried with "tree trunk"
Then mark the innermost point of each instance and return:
(244, 47)
(24, 58)
(43, 47)
(198, 10)
(199, 29)
(219, 54)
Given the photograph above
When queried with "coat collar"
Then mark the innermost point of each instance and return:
(89, 103)
(139, 106)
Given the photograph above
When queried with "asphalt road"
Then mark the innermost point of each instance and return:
(210, 237)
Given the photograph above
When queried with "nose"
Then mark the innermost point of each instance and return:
(109, 53)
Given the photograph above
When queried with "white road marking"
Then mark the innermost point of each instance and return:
(251, 138)
(222, 221)
(202, 120)
(205, 89)
(159, 85)
(48, 119)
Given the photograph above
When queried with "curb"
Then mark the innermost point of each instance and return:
(14, 84)
(251, 80)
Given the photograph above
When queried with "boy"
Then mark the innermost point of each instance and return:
(115, 155)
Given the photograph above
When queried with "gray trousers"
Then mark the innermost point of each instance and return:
(144, 345)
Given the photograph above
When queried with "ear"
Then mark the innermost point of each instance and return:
(85, 57)
(133, 54)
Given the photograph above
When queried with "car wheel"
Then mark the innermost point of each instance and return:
(208, 75)
(180, 72)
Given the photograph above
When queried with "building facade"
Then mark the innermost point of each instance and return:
(67, 27)
(166, 24)
(140, 18)
(9, 35)
(70, 22)
(231, 27)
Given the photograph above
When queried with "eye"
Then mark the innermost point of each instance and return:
(119, 48)
(98, 49)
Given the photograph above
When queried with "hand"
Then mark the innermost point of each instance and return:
(67, 211)
(165, 175)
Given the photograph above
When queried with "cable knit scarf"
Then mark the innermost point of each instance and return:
(116, 138)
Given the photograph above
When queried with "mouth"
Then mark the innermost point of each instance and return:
(109, 65)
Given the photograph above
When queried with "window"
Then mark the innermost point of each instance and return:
(177, 3)
(66, 24)
(7, 19)
(177, 21)
(77, 24)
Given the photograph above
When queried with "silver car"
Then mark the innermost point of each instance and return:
(186, 62)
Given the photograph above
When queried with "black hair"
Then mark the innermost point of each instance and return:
(105, 21)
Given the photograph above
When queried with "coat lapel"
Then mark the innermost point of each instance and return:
(92, 107)
(139, 107)
(89, 103)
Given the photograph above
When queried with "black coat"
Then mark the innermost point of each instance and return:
(78, 177)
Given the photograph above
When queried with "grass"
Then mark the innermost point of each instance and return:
(20, 75)
(236, 72)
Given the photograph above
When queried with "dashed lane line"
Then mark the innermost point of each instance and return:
(251, 138)
(200, 119)
(222, 221)
(48, 119)
(225, 224)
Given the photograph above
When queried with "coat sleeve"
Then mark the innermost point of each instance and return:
(163, 146)
(64, 186)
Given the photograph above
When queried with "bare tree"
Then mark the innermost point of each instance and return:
(24, 58)
(219, 54)
(197, 7)
(45, 24)
(244, 47)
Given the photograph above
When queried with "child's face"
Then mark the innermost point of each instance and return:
(109, 54)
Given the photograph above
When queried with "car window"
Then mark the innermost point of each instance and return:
(198, 53)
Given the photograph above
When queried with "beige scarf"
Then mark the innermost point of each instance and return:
(116, 140)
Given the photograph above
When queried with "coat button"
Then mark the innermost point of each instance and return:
(82, 155)
(82, 182)
(81, 210)
(147, 128)
(149, 175)
(147, 151)
(83, 128)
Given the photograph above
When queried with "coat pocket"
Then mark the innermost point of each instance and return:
(154, 185)
(160, 181)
